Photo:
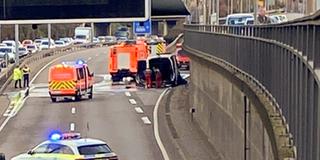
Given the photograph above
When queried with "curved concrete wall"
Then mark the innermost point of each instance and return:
(220, 112)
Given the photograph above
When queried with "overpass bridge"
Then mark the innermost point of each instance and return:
(263, 81)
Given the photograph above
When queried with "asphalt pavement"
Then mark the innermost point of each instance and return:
(110, 115)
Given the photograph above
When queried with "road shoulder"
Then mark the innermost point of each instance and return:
(182, 137)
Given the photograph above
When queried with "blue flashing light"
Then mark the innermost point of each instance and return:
(80, 62)
(55, 136)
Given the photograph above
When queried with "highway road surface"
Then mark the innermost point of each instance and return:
(111, 115)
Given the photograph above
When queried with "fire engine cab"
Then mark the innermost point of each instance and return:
(70, 79)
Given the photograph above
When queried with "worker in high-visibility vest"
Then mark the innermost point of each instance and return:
(17, 76)
(26, 75)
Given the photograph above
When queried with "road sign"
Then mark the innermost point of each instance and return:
(73, 11)
(142, 27)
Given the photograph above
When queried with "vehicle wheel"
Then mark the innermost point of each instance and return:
(53, 99)
(2, 156)
(91, 93)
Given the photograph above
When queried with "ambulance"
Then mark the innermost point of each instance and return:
(70, 80)
(126, 58)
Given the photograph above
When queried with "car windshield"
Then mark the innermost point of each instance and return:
(9, 44)
(31, 47)
(109, 38)
(27, 42)
(37, 41)
(45, 43)
(94, 149)
(22, 49)
(4, 50)
(80, 37)
(59, 42)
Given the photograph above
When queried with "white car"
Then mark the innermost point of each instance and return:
(38, 42)
(11, 43)
(3, 45)
(45, 45)
(9, 52)
(102, 39)
(32, 48)
(67, 40)
(95, 40)
(110, 40)
(69, 146)
(59, 43)
(23, 51)
(238, 19)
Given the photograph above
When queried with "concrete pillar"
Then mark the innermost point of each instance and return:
(49, 36)
(92, 32)
(165, 28)
(16, 32)
(155, 27)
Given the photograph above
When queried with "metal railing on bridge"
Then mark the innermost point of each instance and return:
(284, 58)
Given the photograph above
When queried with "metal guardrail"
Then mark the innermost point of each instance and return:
(5, 79)
(284, 60)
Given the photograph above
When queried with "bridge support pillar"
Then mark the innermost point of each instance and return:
(16, 32)
(165, 28)
(155, 27)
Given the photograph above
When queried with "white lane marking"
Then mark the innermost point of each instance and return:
(156, 127)
(89, 58)
(132, 101)
(73, 110)
(146, 120)
(72, 126)
(128, 94)
(13, 114)
(138, 110)
(4, 123)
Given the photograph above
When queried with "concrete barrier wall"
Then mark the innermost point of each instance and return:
(221, 113)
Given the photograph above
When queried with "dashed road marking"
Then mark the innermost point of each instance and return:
(89, 58)
(72, 126)
(138, 110)
(146, 120)
(132, 101)
(128, 94)
(73, 110)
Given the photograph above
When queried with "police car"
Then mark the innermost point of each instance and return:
(69, 146)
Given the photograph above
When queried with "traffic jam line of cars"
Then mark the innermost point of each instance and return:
(29, 47)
